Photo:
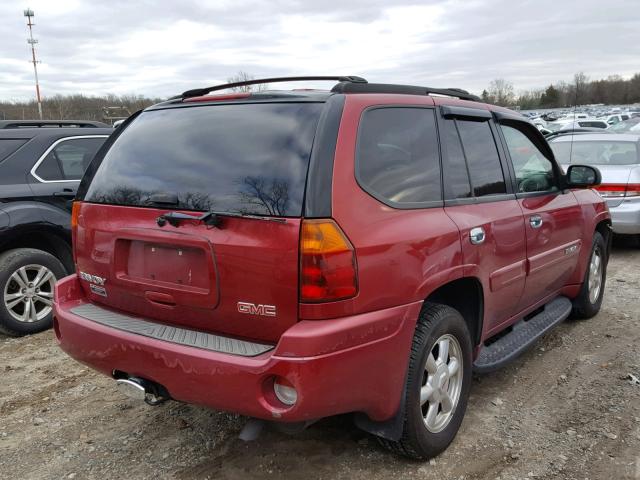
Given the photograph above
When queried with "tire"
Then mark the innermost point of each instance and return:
(586, 304)
(419, 441)
(24, 306)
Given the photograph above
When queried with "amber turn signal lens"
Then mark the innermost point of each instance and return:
(75, 212)
(327, 263)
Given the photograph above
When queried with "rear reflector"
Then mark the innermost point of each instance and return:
(285, 391)
(619, 189)
(327, 263)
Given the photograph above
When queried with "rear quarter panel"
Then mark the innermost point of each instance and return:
(402, 255)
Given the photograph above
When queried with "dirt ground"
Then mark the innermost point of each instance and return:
(567, 409)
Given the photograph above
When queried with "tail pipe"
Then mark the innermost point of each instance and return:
(141, 389)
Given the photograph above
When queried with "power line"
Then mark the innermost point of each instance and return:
(32, 41)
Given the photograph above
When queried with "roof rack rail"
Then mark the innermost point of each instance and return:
(52, 123)
(198, 92)
(403, 89)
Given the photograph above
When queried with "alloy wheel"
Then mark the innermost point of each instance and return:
(28, 295)
(441, 383)
(595, 276)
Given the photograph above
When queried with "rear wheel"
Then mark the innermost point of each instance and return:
(589, 300)
(438, 383)
(27, 279)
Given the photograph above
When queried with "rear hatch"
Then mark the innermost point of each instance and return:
(140, 247)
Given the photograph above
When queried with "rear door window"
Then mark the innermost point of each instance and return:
(398, 160)
(482, 157)
(233, 158)
(68, 159)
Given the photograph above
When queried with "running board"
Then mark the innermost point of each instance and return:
(523, 335)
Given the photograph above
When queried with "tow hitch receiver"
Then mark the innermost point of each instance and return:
(141, 389)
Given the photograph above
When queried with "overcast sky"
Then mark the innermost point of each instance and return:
(160, 48)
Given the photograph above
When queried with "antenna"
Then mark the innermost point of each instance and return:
(573, 122)
(32, 41)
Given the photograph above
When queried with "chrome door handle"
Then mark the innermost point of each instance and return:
(535, 221)
(476, 235)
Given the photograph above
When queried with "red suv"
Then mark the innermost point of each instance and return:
(291, 255)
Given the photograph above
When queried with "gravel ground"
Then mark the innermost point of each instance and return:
(567, 409)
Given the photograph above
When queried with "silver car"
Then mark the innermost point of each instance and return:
(617, 156)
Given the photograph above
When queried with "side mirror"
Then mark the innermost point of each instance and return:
(583, 176)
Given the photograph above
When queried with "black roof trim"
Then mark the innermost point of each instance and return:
(350, 87)
(52, 124)
(198, 92)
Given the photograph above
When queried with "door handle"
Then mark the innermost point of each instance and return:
(66, 192)
(535, 221)
(477, 235)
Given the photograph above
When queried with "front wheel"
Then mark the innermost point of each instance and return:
(589, 300)
(438, 383)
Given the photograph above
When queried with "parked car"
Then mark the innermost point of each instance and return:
(40, 169)
(570, 131)
(617, 158)
(627, 126)
(292, 255)
(51, 124)
(613, 119)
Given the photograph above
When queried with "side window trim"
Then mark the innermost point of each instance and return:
(505, 161)
(452, 113)
(386, 201)
(48, 150)
(449, 111)
(440, 119)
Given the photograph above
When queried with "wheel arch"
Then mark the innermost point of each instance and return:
(466, 295)
(41, 238)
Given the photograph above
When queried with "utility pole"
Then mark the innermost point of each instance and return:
(32, 41)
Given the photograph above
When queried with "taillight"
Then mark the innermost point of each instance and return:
(612, 190)
(633, 190)
(75, 211)
(328, 269)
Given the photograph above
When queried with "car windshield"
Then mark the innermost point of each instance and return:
(602, 152)
(233, 158)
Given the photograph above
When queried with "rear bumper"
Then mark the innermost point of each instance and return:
(350, 364)
(625, 218)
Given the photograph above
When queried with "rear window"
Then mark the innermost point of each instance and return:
(239, 158)
(596, 153)
(9, 145)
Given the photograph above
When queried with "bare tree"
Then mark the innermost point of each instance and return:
(580, 88)
(244, 77)
(501, 92)
(261, 195)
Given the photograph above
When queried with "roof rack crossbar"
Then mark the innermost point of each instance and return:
(203, 91)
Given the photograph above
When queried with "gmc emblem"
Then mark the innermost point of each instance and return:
(253, 309)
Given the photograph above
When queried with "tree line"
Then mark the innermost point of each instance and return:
(614, 90)
(105, 108)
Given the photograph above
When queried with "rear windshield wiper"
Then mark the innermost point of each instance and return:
(211, 219)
